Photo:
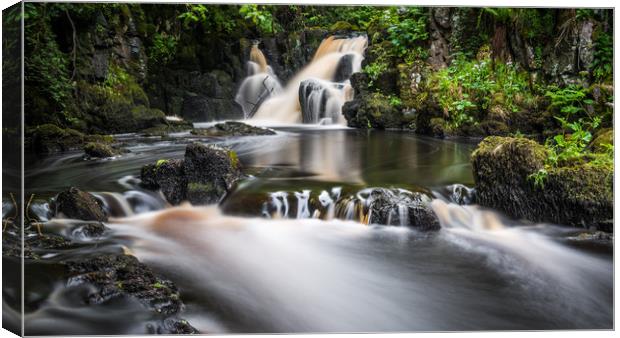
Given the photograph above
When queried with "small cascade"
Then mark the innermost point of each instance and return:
(260, 84)
(303, 211)
(131, 202)
(316, 94)
(395, 207)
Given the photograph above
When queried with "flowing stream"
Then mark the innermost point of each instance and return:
(240, 270)
(290, 249)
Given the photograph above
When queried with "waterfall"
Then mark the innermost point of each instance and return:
(260, 84)
(315, 95)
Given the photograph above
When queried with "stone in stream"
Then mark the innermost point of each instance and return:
(77, 204)
(577, 194)
(210, 172)
(204, 176)
(400, 207)
(99, 150)
(167, 175)
(232, 128)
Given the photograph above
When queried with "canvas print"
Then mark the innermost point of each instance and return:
(255, 168)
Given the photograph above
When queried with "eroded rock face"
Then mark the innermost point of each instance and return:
(578, 194)
(77, 204)
(204, 176)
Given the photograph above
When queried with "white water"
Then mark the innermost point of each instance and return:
(308, 275)
(284, 106)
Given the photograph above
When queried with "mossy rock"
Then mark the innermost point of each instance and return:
(49, 138)
(342, 26)
(439, 127)
(577, 195)
(99, 150)
(373, 110)
(76, 204)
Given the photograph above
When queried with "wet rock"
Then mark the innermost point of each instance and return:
(576, 194)
(344, 68)
(167, 175)
(88, 230)
(116, 275)
(99, 150)
(204, 176)
(77, 204)
(210, 172)
(232, 128)
(401, 207)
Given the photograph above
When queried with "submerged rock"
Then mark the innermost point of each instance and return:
(577, 194)
(232, 128)
(204, 176)
(77, 204)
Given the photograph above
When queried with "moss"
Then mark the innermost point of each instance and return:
(580, 194)
(234, 160)
(602, 140)
(160, 163)
(199, 187)
(439, 127)
(340, 26)
(99, 150)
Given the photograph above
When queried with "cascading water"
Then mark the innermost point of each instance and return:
(260, 84)
(316, 94)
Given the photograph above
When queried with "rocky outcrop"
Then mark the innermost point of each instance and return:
(232, 128)
(76, 204)
(374, 110)
(204, 176)
(579, 194)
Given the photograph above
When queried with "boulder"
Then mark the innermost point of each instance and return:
(578, 194)
(210, 172)
(204, 176)
(77, 204)
(167, 175)
(400, 207)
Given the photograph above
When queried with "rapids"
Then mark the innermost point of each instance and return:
(239, 271)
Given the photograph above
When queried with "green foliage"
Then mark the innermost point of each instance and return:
(46, 67)
(407, 30)
(603, 64)
(539, 177)
(161, 162)
(163, 48)
(217, 19)
(570, 100)
(373, 70)
(261, 17)
(465, 89)
(395, 101)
